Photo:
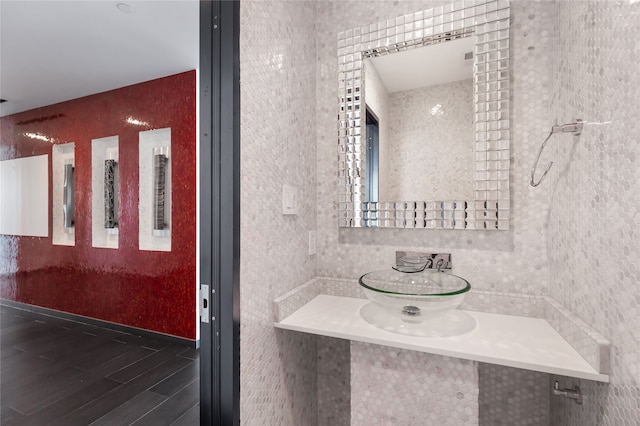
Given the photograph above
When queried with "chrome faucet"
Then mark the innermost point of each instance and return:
(407, 261)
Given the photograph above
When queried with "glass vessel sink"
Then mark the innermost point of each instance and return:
(414, 297)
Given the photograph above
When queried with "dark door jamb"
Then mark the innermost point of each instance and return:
(220, 211)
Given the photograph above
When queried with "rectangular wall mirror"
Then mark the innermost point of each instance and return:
(424, 119)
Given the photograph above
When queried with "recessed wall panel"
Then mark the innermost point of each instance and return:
(24, 196)
(155, 190)
(63, 202)
(104, 155)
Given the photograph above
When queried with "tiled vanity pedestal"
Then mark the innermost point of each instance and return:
(398, 386)
(460, 380)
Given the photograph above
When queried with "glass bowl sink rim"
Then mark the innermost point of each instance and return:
(393, 273)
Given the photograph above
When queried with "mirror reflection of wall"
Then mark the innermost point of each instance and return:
(373, 155)
(423, 99)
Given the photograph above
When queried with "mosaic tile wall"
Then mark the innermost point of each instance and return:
(294, 299)
(594, 192)
(396, 386)
(334, 376)
(427, 125)
(278, 146)
(588, 342)
(149, 290)
(513, 261)
(506, 396)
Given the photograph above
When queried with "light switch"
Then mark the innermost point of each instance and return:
(289, 199)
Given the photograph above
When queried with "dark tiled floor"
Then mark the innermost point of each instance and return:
(58, 372)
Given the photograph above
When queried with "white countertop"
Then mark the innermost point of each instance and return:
(512, 341)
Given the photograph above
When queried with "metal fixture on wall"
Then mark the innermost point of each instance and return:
(110, 194)
(409, 261)
(575, 128)
(104, 192)
(574, 393)
(63, 199)
(154, 206)
(68, 198)
(160, 163)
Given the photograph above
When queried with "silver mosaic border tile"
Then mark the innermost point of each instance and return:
(490, 23)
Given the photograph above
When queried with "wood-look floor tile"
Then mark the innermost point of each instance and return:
(174, 407)
(113, 399)
(191, 353)
(7, 353)
(48, 387)
(190, 418)
(115, 363)
(59, 372)
(134, 370)
(71, 402)
(24, 370)
(177, 381)
(131, 410)
(142, 341)
(10, 417)
(17, 326)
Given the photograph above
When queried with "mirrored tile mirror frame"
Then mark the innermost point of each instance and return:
(486, 21)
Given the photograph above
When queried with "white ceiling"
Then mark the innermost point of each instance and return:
(53, 51)
(425, 66)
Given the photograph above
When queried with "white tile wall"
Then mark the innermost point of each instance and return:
(514, 261)
(278, 146)
(513, 397)
(594, 192)
(334, 377)
(569, 59)
(391, 386)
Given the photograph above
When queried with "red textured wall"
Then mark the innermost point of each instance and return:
(143, 289)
